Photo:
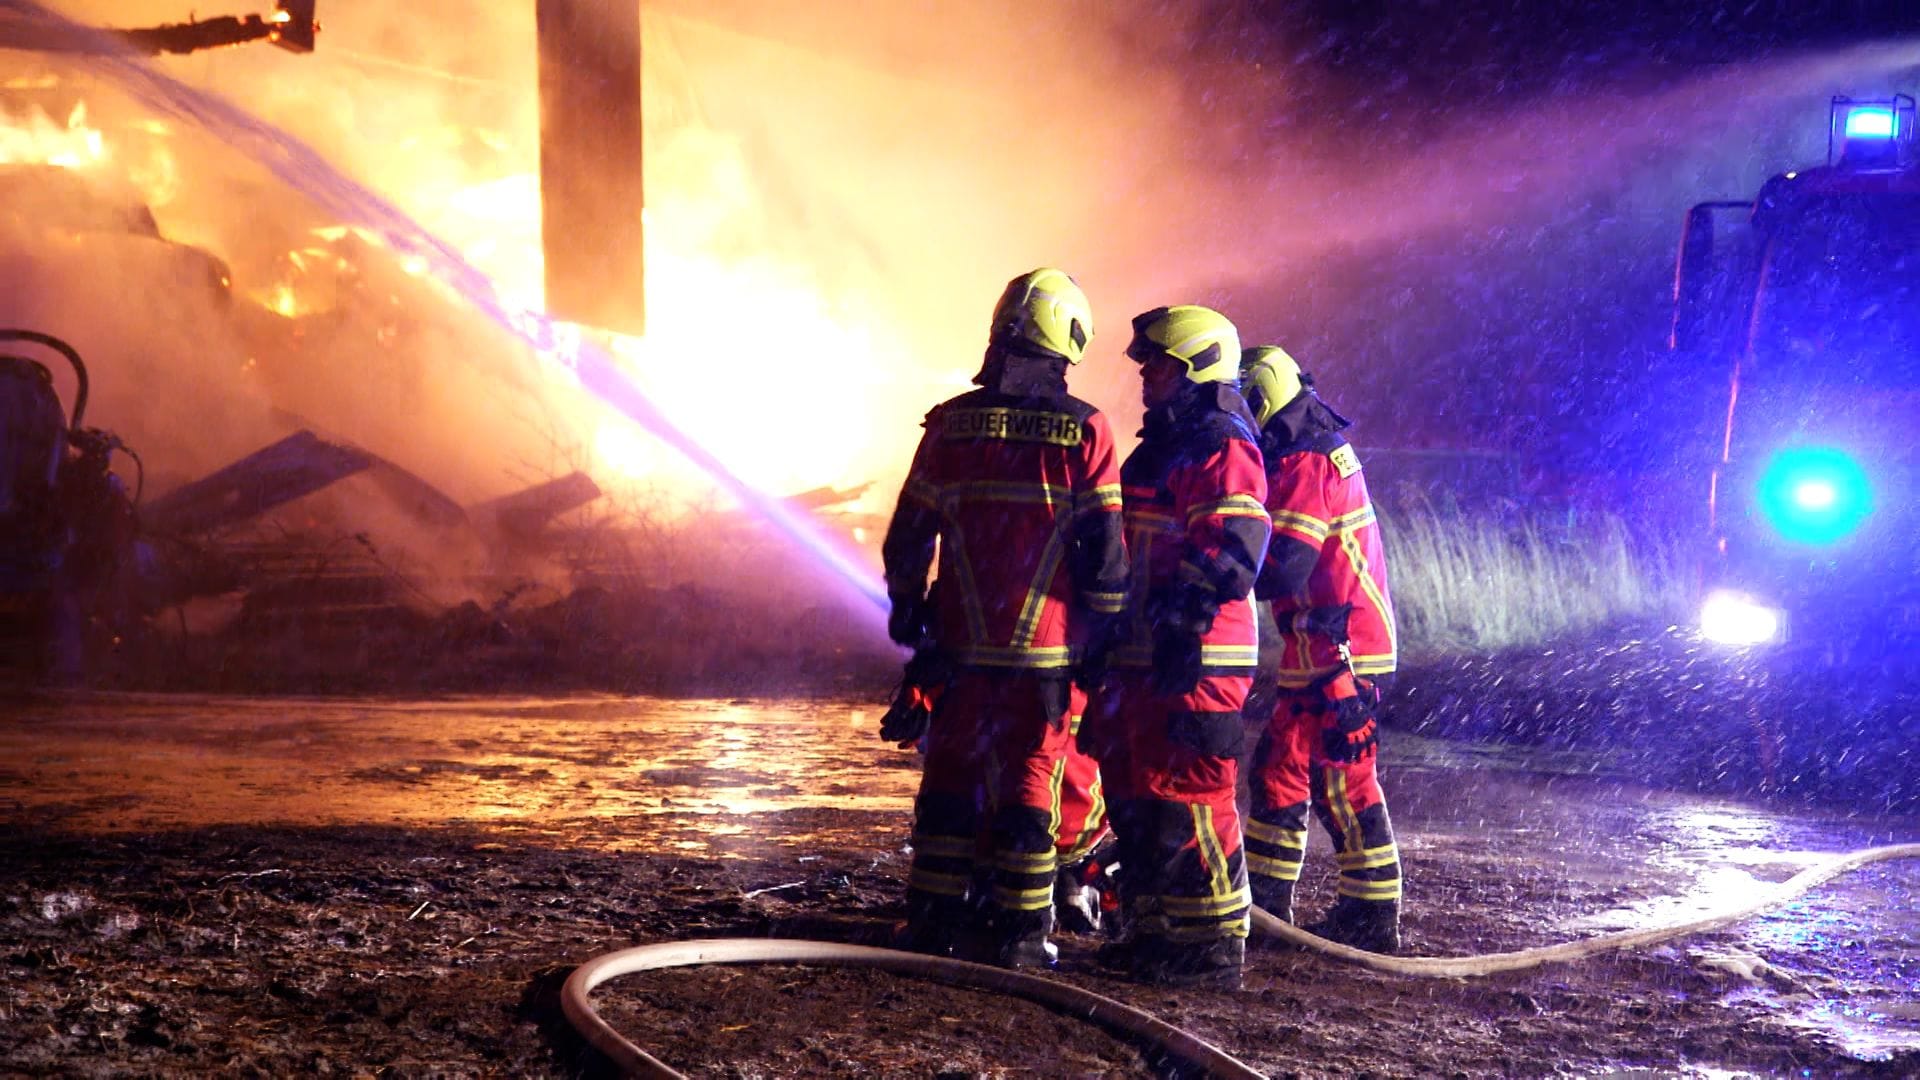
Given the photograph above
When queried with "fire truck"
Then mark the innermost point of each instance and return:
(1807, 297)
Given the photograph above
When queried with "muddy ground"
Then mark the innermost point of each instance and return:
(249, 886)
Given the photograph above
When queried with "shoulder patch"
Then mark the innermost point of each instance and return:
(1345, 461)
(1012, 425)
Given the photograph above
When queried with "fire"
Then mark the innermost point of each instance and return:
(496, 225)
(140, 155)
(744, 354)
(747, 353)
(749, 362)
(37, 139)
(283, 300)
(307, 280)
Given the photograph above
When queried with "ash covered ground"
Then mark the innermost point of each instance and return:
(395, 886)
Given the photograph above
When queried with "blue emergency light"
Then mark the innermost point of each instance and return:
(1871, 134)
(1872, 122)
(1815, 495)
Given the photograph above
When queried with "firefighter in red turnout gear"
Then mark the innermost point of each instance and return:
(1168, 730)
(1017, 483)
(1326, 576)
(1082, 889)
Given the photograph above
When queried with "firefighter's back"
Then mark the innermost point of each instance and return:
(1009, 474)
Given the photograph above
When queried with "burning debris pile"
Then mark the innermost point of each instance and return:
(339, 570)
(317, 565)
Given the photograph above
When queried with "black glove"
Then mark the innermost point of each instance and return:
(1090, 671)
(1329, 622)
(907, 622)
(907, 720)
(1354, 735)
(1176, 660)
(1186, 605)
(1086, 736)
(1181, 616)
(914, 703)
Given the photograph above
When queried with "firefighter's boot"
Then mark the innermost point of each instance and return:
(1275, 897)
(936, 925)
(1213, 964)
(1076, 898)
(1086, 894)
(1020, 939)
(1369, 925)
(1122, 931)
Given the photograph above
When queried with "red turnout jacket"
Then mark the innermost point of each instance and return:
(1194, 490)
(1326, 549)
(1023, 496)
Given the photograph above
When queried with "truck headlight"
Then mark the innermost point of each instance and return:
(1734, 618)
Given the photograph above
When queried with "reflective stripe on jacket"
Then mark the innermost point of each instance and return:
(1023, 495)
(1195, 490)
(1318, 499)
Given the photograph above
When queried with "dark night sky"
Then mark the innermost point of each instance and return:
(1459, 51)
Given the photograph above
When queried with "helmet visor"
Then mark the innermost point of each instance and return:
(1142, 349)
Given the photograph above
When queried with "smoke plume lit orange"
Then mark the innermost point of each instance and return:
(836, 199)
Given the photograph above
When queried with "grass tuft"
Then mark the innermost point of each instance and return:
(1482, 583)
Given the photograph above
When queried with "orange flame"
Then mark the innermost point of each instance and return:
(284, 300)
(37, 139)
(744, 353)
(34, 138)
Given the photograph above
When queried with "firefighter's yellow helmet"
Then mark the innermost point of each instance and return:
(1043, 311)
(1270, 379)
(1200, 338)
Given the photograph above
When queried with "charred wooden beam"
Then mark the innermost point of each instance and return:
(300, 464)
(524, 513)
(591, 176)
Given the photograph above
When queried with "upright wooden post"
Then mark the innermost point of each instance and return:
(591, 175)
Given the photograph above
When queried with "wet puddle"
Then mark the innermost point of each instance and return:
(539, 763)
(1842, 960)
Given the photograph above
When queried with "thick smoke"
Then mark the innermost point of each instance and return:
(168, 368)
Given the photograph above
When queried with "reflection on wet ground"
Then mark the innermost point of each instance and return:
(728, 779)
(1843, 960)
(702, 767)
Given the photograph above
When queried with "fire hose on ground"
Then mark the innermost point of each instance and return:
(1164, 1039)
